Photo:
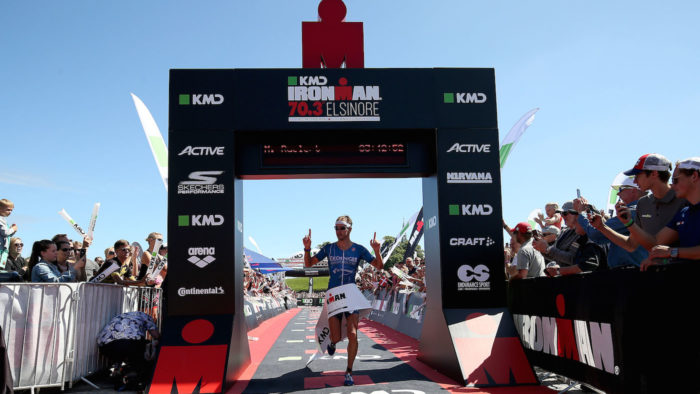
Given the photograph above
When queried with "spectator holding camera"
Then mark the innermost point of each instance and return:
(589, 256)
(568, 241)
(530, 263)
(629, 193)
(684, 229)
(655, 210)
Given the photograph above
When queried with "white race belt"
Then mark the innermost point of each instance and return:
(345, 298)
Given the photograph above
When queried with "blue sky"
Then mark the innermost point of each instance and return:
(612, 81)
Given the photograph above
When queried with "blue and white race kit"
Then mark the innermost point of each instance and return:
(342, 264)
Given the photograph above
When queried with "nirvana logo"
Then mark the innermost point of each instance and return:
(588, 342)
(312, 99)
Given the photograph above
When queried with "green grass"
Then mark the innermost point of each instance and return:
(302, 284)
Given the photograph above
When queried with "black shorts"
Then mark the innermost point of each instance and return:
(339, 316)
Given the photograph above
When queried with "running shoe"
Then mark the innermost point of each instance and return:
(331, 349)
(348, 380)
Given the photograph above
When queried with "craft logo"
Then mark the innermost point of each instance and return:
(469, 177)
(202, 151)
(472, 241)
(470, 210)
(588, 342)
(469, 148)
(473, 278)
(463, 98)
(199, 220)
(182, 292)
(312, 99)
(201, 182)
(200, 99)
(201, 257)
(333, 298)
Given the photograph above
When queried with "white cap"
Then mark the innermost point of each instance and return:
(692, 163)
(628, 181)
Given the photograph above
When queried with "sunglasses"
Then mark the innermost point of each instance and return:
(110, 252)
(125, 250)
(19, 245)
(674, 180)
(66, 249)
(340, 228)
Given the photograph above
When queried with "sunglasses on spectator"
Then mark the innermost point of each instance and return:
(67, 249)
(340, 228)
(20, 245)
(126, 250)
(110, 252)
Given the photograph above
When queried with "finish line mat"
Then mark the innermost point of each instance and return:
(386, 362)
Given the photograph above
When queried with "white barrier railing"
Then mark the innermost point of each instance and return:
(51, 329)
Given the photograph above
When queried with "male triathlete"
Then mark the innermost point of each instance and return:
(343, 259)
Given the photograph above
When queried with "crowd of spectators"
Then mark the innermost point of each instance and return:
(655, 223)
(257, 284)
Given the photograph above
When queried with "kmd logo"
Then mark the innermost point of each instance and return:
(201, 182)
(202, 151)
(473, 278)
(196, 253)
(469, 148)
(469, 177)
(199, 220)
(464, 98)
(472, 241)
(201, 99)
(470, 210)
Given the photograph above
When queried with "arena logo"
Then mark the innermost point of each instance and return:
(182, 292)
(469, 148)
(473, 278)
(312, 99)
(199, 220)
(588, 342)
(200, 99)
(464, 98)
(196, 254)
(201, 182)
(470, 210)
(469, 177)
(202, 151)
(472, 241)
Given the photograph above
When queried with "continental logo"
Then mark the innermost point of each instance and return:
(182, 292)
(463, 98)
(200, 99)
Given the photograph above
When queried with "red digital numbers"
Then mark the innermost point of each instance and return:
(302, 108)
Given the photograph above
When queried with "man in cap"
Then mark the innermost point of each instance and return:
(684, 229)
(589, 256)
(568, 242)
(629, 193)
(530, 263)
(651, 172)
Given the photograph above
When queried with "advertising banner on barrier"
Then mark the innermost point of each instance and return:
(618, 330)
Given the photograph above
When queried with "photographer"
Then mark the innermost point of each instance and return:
(589, 256)
(568, 242)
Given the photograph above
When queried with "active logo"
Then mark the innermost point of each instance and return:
(182, 292)
(463, 98)
(469, 148)
(470, 210)
(201, 182)
(472, 241)
(200, 99)
(202, 151)
(201, 256)
(473, 278)
(199, 220)
(469, 177)
(312, 99)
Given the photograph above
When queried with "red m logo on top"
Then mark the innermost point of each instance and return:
(331, 42)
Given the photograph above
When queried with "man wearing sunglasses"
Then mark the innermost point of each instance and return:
(343, 259)
(629, 193)
(118, 270)
(654, 211)
(568, 242)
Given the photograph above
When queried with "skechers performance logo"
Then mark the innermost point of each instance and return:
(202, 151)
(473, 278)
(201, 182)
(201, 257)
(182, 292)
(199, 220)
(470, 210)
(464, 98)
(200, 99)
(472, 241)
(469, 148)
(469, 177)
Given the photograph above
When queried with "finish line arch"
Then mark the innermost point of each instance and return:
(233, 124)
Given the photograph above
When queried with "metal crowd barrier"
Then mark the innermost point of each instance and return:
(51, 329)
